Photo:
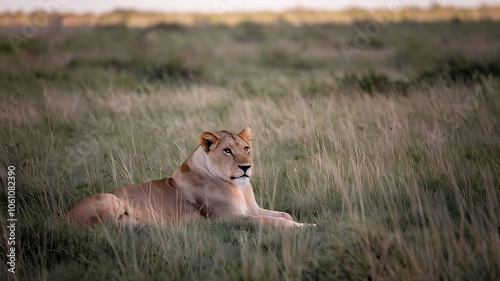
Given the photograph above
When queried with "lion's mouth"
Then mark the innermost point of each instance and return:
(242, 176)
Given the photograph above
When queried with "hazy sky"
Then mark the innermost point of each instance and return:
(217, 5)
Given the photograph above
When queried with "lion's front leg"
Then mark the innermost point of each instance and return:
(275, 214)
(271, 221)
(268, 216)
(284, 215)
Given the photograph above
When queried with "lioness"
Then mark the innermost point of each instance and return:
(212, 183)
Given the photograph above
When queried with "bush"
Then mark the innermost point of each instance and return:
(283, 58)
(374, 83)
(173, 69)
(460, 69)
(250, 32)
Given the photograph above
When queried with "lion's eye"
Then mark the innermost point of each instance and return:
(228, 151)
(247, 149)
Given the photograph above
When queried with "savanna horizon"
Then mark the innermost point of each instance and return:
(227, 14)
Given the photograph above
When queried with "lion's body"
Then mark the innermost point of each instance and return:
(212, 183)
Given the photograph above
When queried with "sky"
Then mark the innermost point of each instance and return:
(80, 6)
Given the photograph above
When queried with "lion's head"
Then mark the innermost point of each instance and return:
(229, 155)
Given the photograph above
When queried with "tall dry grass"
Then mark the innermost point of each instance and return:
(395, 194)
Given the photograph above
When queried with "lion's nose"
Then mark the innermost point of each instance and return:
(244, 167)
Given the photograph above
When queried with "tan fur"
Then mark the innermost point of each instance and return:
(209, 184)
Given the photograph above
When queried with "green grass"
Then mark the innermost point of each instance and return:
(393, 153)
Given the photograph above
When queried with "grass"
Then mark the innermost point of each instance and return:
(393, 153)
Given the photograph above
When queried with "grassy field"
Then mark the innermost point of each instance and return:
(391, 145)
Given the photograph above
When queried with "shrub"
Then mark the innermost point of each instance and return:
(460, 69)
(249, 32)
(283, 58)
(374, 83)
(173, 69)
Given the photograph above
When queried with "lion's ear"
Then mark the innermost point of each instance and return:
(207, 139)
(246, 134)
